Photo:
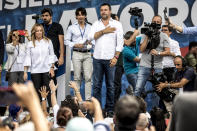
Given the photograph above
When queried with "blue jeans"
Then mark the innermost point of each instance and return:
(143, 75)
(132, 79)
(101, 68)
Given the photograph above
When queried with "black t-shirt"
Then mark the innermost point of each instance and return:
(52, 32)
(188, 74)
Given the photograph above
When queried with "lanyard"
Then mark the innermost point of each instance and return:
(82, 34)
(47, 29)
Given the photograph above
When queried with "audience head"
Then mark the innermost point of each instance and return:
(2, 110)
(14, 111)
(142, 104)
(64, 114)
(142, 122)
(158, 119)
(71, 103)
(126, 113)
(79, 124)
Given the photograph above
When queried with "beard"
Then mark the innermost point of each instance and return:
(46, 22)
(104, 17)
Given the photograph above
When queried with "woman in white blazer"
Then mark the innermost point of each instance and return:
(16, 54)
(40, 59)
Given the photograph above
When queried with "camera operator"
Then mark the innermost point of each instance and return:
(131, 56)
(168, 63)
(16, 54)
(158, 52)
(184, 78)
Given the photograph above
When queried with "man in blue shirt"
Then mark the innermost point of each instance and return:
(130, 56)
(184, 30)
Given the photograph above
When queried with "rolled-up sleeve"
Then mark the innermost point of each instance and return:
(68, 37)
(166, 41)
(120, 41)
(190, 30)
(27, 61)
(52, 56)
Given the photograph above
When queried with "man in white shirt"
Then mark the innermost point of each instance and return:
(108, 36)
(168, 61)
(77, 38)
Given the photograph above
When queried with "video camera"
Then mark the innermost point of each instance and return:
(166, 94)
(152, 31)
(36, 17)
(135, 11)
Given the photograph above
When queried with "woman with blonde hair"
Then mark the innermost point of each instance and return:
(40, 59)
(16, 50)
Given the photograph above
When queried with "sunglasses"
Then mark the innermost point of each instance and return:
(164, 30)
(177, 64)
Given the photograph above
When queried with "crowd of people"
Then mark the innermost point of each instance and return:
(99, 50)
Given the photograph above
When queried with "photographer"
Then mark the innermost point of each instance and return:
(184, 78)
(184, 30)
(16, 54)
(161, 48)
(131, 56)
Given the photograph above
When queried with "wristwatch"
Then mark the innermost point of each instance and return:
(43, 99)
(159, 53)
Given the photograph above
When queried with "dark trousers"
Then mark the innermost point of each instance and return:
(101, 68)
(16, 77)
(117, 82)
(169, 73)
(39, 80)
